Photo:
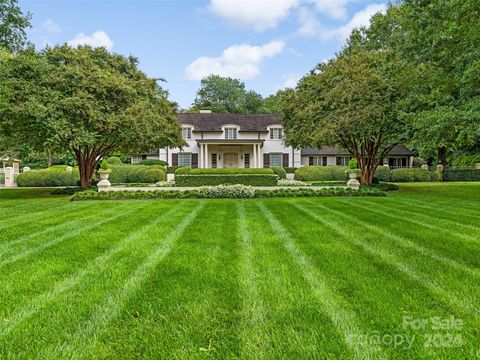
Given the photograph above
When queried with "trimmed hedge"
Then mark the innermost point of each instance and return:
(215, 179)
(412, 175)
(182, 170)
(321, 173)
(279, 171)
(114, 160)
(382, 174)
(150, 162)
(461, 175)
(230, 171)
(54, 176)
(124, 174)
(208, 192)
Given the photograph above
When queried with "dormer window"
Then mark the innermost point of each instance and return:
(230, 133)
(187, 133)
(276, 134)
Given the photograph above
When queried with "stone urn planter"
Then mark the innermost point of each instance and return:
(353, 182)
(104, 183)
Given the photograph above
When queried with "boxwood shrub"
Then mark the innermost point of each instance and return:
(54, 176)
(114, 160)
(412, 175)
(461, 175)
(321, 173)
(382, 174)
(222, 171)
(150, 162)
(122, 174)
(217, 179)
(280, 171)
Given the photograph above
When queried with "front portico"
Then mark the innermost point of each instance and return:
(219, 153)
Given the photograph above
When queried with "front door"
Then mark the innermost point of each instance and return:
(230, 160)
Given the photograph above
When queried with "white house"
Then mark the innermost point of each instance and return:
(249, 141)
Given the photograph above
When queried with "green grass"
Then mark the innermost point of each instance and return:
(297, 278)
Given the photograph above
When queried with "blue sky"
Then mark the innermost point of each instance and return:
(268, 44)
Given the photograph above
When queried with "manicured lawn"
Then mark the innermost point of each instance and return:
(277, 278)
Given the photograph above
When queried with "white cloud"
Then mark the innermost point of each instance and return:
(291, 80)
(336, 9)
(238, 61)
(359, 19)
(97, 39)
(309, 25)
(50, 27)
(260, 14)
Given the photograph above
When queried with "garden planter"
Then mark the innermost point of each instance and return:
(103, 183)
(353, 182)
(352, 175)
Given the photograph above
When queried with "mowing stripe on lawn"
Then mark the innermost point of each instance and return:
(251, 305)
(33, 216)
(424, 205)
(344, 320)
(85, 336)
(405, 242)
(47, 230)
(97, 265)
(391, 259)
(77, 231)
(428, 217)
(388, 213)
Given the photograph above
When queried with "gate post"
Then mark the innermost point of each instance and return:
(10, 177)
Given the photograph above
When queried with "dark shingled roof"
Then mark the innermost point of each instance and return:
(398, 150)
(214, 122)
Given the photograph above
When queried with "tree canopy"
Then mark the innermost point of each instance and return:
(441, 38)
(86, 100)
(354, 102)
(13, 25)
(227, 95)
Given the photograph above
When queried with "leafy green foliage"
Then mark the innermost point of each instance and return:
(150, 162)
(466, 159)
(279, 171)
(320, 173)
(440, 39)
(114, 160)
(48, 177)
(232, 171)
(86, 101)
(461, 175)
(217, 179)
(125, 174)
(226, 95)
(104, 165)
(13, 26)
(412, 175)
(354, 102)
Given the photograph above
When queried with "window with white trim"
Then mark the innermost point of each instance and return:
(319, 160)
(186, 133)
(276, 160)
(276, 134)
(184, 159)
(230, 133)
(343, 160)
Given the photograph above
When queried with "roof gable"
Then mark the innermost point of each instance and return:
(215, 122)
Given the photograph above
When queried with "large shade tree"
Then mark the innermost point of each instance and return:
(353, 102)
(441, 38)
(87, 101)
(13, 26)
(227, 95)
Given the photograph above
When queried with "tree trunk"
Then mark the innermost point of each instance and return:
(86, 166)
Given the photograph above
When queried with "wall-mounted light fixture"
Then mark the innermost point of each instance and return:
(241, 156)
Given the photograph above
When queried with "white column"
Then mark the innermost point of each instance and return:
(200, 157)
(205, 164)
(260, 157)
(254, 156)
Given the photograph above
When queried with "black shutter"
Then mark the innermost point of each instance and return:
(174, 159)
(285, 160)
(310, 160)
(194, 161)
(324, 161)
(266, 160)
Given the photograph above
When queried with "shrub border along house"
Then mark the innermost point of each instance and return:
(217, 179)
(223, 191)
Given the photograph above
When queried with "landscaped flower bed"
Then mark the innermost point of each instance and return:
(223, 191)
